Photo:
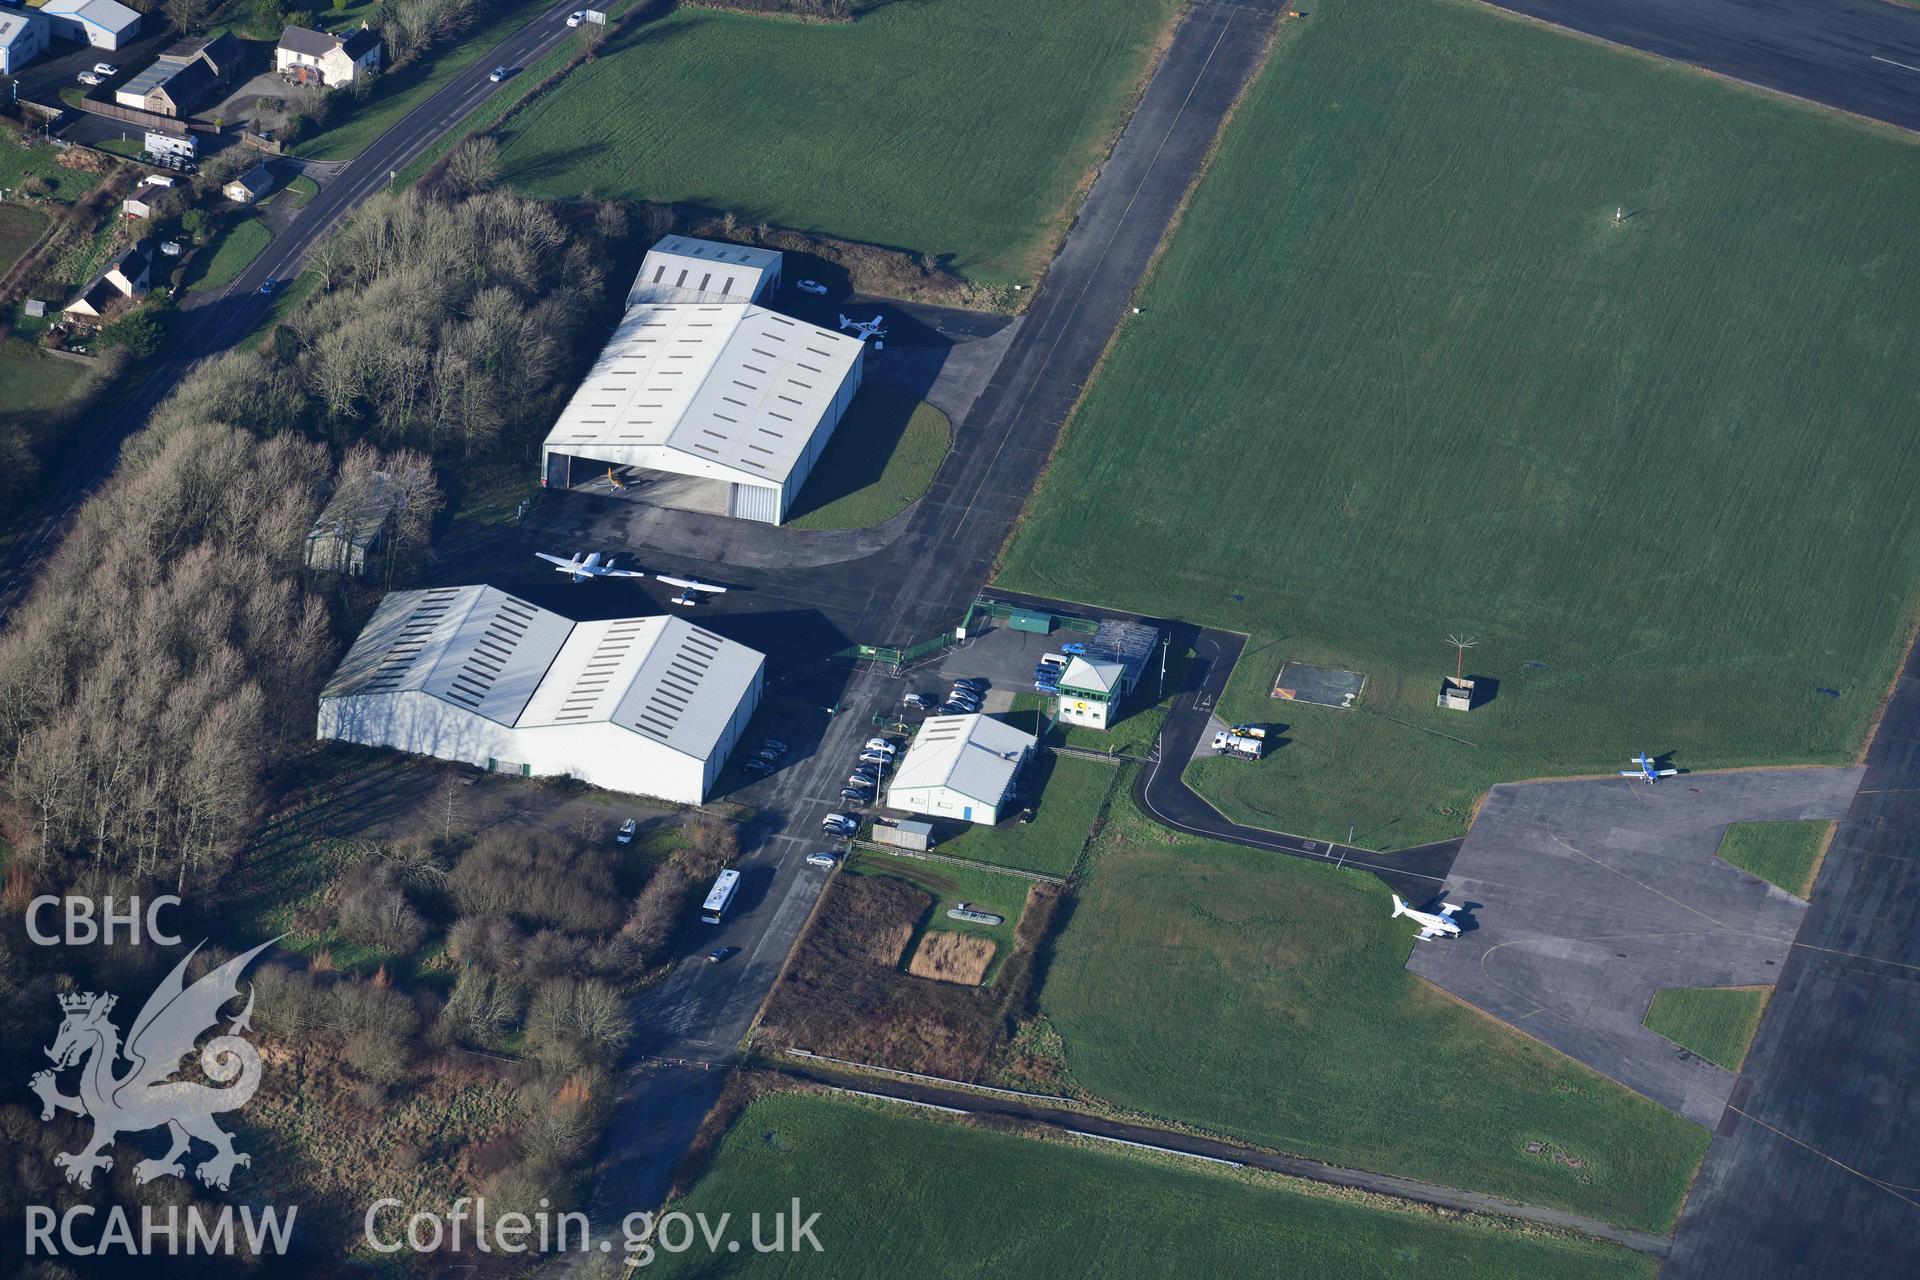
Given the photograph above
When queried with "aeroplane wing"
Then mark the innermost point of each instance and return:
(564, 564)
(623, 573)
(1664, 773)
(1448, 908)
(1631, 773)
(1426, 935)
(691, 584)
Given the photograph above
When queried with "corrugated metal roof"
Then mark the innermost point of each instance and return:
(685, 269)
(491, 653)
(661, 677)
(973, 755)
(726, 385)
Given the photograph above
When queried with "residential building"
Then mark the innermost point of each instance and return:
(318, 57)
(126, 276)
(249, 186)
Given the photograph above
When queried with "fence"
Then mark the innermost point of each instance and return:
(145, 119)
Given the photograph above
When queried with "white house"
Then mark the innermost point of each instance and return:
(651, 706)
(103, 24)
(24, 35)
(1090, 691)
(700, 382)
(318, 57)
(124, 277)
(960, 767)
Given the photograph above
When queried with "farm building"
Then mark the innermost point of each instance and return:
(23, 37)
(351, 525)
(249, 186)
(651, 706)
(960, 767)
(729, 394)
(168, 88)
(104, 24)
(683, 269)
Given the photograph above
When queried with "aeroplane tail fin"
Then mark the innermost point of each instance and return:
(1399, 907)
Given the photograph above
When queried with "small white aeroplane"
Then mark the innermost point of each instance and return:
(690, 589)
(1431, 925)
(589, 566)
(1646, 772)
(865, 328)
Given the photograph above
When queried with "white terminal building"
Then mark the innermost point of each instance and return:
(651, 706)
(703, 383)
(961, 767)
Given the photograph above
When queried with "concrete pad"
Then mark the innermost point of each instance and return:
(1585, 898)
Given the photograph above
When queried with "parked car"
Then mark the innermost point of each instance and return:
(1076, 648)
(859, 795)
(757, 765)
(875, 757)
(89, 78)
(577, 17)
(964, 698)
(915, 700)
(974, 683)
(718, 954)
(105, 69)
(882, 744)
(839, 824)
(499, 74)
(811, 286)
(774, 744)
(825, 860)
(1045, 686)
(764, 754)
(628, 829)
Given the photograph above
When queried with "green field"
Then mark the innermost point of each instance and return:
(1781, 853)
(35, 382)
(933, 1199)
(1479, 405)
(221, 263)
(398, 92)
(882, 457)
(1717, 1023)
(1071, 793)
(20, 227)
(1267, 997)
(19, 162)
(959, 129)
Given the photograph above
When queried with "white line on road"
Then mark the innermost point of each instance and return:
(1890, 62)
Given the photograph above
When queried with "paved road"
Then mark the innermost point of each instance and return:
(1222, 1151)
(1861, 56)
(212, 322)
(1815, 1170)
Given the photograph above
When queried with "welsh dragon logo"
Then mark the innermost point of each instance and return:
(145, 1095)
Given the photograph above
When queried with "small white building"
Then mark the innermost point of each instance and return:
(104, 24)
(318, 57)
(960, 767)
(726, 392)
(1090, 691)
(24, 36)
(249, 186)
(651, 706)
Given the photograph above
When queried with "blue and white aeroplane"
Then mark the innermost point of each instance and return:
(1646, 772)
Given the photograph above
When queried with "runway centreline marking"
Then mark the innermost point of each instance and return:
(1890, 62)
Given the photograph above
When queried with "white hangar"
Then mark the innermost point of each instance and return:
(961, 767)
(699, 380)
(651, 706)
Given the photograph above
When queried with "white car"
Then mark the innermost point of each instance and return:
(89, 78)
(105, 69)
(811, 286)
(577, 17)
(880, 744)
(499, 74)
(627, 831)
(826, 860)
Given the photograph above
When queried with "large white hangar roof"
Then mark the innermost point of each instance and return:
(487, 652)
(973, 755)
(730, 390)
(684, 269)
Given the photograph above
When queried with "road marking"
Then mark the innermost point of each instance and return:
(1890, 62)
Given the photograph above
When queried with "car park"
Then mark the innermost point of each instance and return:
(718, 954)
(628, 829)
(826, 860)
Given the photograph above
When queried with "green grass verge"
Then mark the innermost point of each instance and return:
(961, 129)
(1268, 997)
(1717, 1023)
(128, 147)
(399, 92)
(220, 264)
(1786, 854)
(935, 1199)
(35, 381)
(1071, 794)
(300, 189)
(1399, 338)
(882, 457)
(20, 228)
(287, 299)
